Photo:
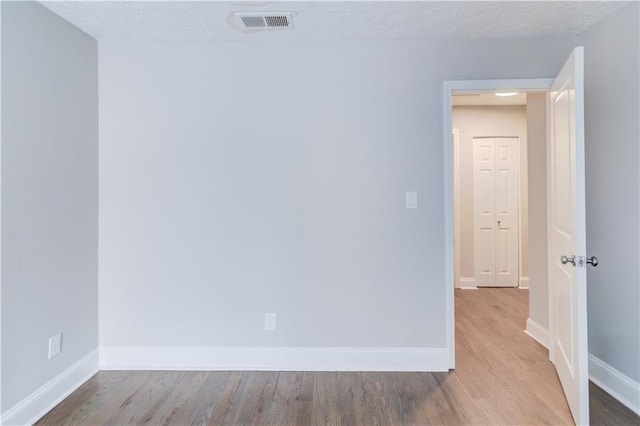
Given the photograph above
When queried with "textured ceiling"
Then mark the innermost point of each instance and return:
(319, 20)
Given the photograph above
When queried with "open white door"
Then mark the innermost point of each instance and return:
(567, 247)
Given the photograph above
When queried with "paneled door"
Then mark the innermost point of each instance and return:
(496, 171)
(567, 239)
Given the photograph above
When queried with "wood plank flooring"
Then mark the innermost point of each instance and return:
(502, 377)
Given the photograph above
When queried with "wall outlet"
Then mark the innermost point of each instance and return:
(269, 322)
(412, 200)
(55, 345)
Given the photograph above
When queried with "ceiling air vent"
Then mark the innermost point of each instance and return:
(252, 21)
(277, 21)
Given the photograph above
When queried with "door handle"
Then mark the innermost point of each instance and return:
(593, 261)
(571, 260)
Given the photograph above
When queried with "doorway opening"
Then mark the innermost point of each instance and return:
(457, 270)
(499, 171)
(490, 175)
(499, 177)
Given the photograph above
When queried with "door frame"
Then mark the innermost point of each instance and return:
(456, 204)
(449, 88)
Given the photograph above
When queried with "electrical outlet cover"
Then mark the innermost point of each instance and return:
(269, 321)
(55, 345)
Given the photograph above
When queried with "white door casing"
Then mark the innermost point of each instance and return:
(567, 236)
(455, 136)
(496, 211)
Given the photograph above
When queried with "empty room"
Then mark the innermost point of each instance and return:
(364, 213)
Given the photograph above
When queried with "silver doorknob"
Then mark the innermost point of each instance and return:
(593, 261)
(571, 260)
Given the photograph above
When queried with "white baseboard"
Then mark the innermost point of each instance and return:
(523, 283)
(467, 283)
(36, 405)
(615, 383)
(538, 332)
(274, 359)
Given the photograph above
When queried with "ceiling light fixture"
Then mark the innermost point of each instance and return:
(506, 93)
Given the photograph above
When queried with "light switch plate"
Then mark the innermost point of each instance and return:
(412, 199)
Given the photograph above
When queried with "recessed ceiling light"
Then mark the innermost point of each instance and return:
(506, 94)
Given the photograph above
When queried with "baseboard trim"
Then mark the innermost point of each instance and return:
(36, 405)
(615, 383)
(467, 283)
(274, 359)
(523, 283)
(538, 332)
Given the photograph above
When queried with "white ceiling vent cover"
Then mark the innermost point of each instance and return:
(256, 21)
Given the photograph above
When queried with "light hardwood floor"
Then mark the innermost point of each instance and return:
(502, 377)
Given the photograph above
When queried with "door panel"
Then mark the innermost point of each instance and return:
(508, 211)
(502, 191)
(567, 284)
(563, 182)
(504, 262)
(487, 257)
(565, 342)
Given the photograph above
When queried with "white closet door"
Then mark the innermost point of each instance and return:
(495, 196)
(507, 247)
(484, 209)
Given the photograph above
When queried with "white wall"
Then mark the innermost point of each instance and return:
(238, 179)
(49, 197)
(479, 121)
(612, 164)
(537, 170)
